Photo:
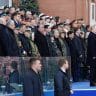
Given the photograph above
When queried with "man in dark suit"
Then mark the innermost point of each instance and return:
(14, 74)
(25, 42)
(14, 77)
(73, 53)
(61, 80)
(41, 41)
(79, 55)
(8, 41)
(16, 18)
(32, 80)
(91, 55)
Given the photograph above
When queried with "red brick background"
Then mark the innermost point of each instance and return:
(71, 9)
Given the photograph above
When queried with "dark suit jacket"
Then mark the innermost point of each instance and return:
(42, 44)
(91, 49)
(25, 44)
(14, 77)
(8, 42)
(32, 84)
(72, 49)
(78, 46)
(58, 44)
(17, 24)
(61, 84)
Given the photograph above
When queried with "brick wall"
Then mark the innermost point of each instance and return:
(71, 9)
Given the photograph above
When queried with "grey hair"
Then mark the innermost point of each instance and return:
(10, 22)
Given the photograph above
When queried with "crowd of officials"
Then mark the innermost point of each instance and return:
(26, 33)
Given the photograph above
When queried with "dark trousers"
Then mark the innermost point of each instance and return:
(93, 73)
(76, 70)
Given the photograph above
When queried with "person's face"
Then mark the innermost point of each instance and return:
(53, 22)
(9, 67)
(89, 29)
(71, 36)
(60, 28)
(12, 26)
(6, 10)
(16, 31)
(75, 24)
(29, 15)
(35, 16)
(52, 39)
(56, 34)
(78, 32)
(18, 18)
(42, 22)
(94, 29)
(38, 65)
(23, 28)
(81, 22)
(8, 18)
(41, 28)
(82, 35)
(48, 20)
(37, 20)
(65, 30)
(48, 29)
(22, 12)
(67, 27)
(67, 21)
(33, 22)
(62, 35)
(43, 18)
(27, 34)
(12, 10)
(66, 66)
